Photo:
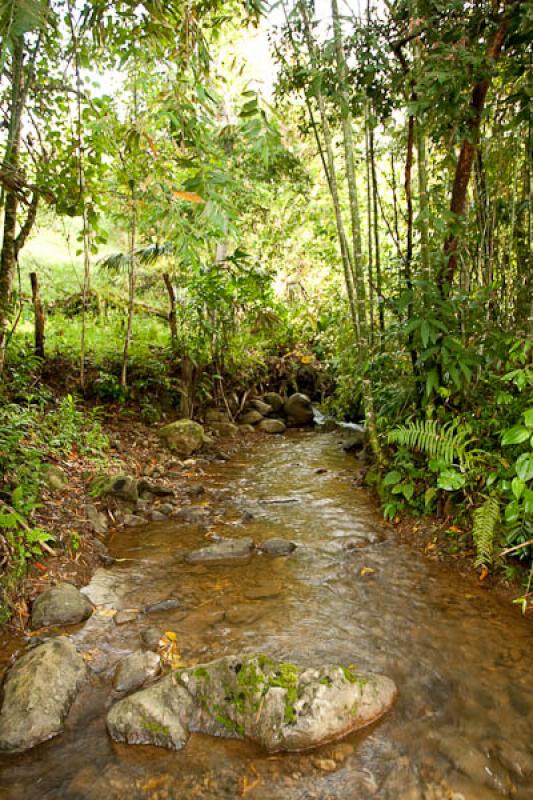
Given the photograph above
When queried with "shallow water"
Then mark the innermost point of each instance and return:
(460, 657)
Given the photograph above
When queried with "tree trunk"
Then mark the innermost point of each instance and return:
(8, 256)
(86, 231)
(172, 313)
(333, 184)
(39, 315)
(463, 169)
(359, 281)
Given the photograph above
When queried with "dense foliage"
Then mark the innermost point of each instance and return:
(185, 233)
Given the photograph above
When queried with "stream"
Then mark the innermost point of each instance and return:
(460, 656)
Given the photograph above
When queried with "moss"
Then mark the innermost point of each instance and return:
(228, 723)
(326, 681)
(352, 677)
(200, 673)
(155, 727)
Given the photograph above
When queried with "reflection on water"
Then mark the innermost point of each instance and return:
(461, 659)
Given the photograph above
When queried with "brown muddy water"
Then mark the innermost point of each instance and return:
(461, 658)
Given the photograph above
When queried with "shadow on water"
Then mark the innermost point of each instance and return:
(461, 659)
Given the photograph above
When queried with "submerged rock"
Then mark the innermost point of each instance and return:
(271, 426)
(279, 706)
(61, 605)
(163, 605)
(277, 547)
(133, 521)
(222, 551)
(135, 670)
(38, 692)
(183, 437)
(298, 410)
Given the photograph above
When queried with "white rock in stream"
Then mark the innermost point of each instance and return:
(38, 692)
(279, 706)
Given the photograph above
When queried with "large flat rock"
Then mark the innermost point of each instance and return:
(38, 692)
(280, 706)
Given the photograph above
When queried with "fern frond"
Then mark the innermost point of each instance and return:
(486, 519)
(434, 440)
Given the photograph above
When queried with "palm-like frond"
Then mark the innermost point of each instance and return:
(118, 262)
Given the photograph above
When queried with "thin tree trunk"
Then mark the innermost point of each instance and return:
(377, 246)
(370, 228)
(132, 271)
(132, 275)
(463, 168)
(172, 313)
(8, 256)
(39, 315)
(423, 202)
(366, 386)
(333, 185)
(86, 230)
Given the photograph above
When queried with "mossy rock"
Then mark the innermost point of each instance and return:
(278, 705)
(184, 437)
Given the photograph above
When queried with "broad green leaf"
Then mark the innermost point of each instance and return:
(528, 417)
(408, 490)
(524, 467)
(515, 435)
(392, 478)
(450, 480)
(518, 486)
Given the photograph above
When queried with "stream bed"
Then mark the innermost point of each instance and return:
(351, 593)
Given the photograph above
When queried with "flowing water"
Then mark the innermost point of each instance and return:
(460, 656)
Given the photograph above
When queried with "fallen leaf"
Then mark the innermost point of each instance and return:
(366, 571)
(483, 574)
(189, 197)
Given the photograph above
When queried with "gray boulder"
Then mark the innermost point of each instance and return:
(214, 415)
(224, 428)
(61, 605)
(277, 547)
(38, 692)
(135, 670)
(271, 426)
(279, 706)
(97, 519)
(274, 400)
(183, 437)
(123, 487)
(227, 549)
(262, 407)
(158, 715)
(298, 409)
(250, 417)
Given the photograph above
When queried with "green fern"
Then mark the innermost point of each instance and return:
(486, 519)
(434, 440)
